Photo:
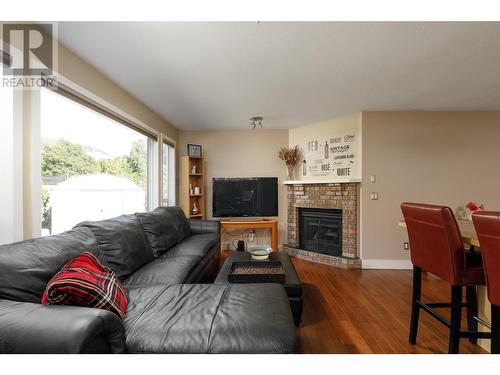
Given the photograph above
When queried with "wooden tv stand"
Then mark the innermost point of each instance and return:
(257, 224)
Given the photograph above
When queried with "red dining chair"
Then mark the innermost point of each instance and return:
(487, 226)
(436, 247)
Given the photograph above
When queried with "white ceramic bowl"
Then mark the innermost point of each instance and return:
(260, 252)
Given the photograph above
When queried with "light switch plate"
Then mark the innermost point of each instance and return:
(372, 178)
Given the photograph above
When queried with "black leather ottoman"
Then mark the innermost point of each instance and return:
(293, 285)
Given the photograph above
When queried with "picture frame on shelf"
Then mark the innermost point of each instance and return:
(194, 150)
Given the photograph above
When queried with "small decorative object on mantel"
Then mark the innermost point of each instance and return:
(195, 209)
(290, 155)
(193, 169)
(473, 207)
(194, 150)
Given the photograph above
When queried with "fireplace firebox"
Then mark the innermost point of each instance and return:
(320, 230)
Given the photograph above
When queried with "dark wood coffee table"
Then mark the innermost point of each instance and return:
(292, 285)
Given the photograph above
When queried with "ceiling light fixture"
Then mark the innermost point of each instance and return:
(256, 122)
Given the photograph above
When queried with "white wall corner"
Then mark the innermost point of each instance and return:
(386, 264)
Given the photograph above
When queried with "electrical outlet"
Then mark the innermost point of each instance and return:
(374, 196)
(251, 235)
(406, 246)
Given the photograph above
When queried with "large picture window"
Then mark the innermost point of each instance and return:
(92, 167)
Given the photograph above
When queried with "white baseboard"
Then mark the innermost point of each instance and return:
(386, 264)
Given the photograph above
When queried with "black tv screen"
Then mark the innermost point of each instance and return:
(256, 196)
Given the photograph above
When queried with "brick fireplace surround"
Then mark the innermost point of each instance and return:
(344, 196)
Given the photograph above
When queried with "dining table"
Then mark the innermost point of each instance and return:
(467, 231)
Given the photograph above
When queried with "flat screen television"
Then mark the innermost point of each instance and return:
(237, 197)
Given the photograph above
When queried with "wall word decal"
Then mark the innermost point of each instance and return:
(334, 157)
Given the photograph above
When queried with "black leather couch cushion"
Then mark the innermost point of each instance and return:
(209, 318)
(163, 271)
(27, 266)
(122, 242)
(197, 244)
(183, 263)
(34, 328)
(204, 226)
(205, 269)
(253, 318)
(165, 227)
(180, 222)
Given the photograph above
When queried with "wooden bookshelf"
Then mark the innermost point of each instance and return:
(186, 199)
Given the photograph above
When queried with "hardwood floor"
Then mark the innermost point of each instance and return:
(368, 311)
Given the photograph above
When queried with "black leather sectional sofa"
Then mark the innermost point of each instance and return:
(162, 260)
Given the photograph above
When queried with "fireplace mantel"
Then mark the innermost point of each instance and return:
(336, 181)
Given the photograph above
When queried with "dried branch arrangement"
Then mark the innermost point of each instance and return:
(290, 155)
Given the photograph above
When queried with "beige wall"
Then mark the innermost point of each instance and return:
(445, 158)
(80, 72)
(242, 153)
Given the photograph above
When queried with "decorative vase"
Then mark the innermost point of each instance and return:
(290, 172)
(195, 209)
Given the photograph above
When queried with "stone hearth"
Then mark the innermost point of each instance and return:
(342, 196)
